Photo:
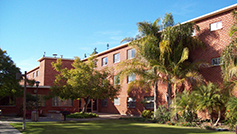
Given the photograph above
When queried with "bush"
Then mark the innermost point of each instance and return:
(188, 124)
(147, 114)
(162, 114)
(208, 127)
(82, 115)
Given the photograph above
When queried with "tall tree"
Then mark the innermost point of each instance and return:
(145, 63)
(83, 81)
(164, 53)
(9, 85)
(229, 70)
(228, 56)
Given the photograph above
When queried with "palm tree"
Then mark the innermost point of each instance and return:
(147, 51)
(228, 56)
(208, 98)
(186, 105)
(163, 52)
(231, 108)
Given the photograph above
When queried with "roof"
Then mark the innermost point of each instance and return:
(231, 7)
(192, 20)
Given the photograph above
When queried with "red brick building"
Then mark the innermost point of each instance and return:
(214, 32)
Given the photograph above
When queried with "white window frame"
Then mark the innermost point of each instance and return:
(216, 26)
(149, 102)
(131, 53)
(131, 78)
(131, 102)
(116, 101)
(216, 61)
(104, 61)
(116, 57)
(194, 33)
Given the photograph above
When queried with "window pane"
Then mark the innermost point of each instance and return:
(216, 26)
(116, 101)
(56, 101)
(216, 61)
(131, 103)
(117, 80)
(149, 102)
(8, 101)
(104, 61)
(116, 57)
(104, 103)
(131, 53)
(131, 78)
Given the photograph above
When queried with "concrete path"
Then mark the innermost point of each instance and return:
(5, 128)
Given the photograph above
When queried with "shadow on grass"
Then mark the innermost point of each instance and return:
(108, 127)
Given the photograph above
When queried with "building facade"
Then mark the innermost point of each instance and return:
(214, 32)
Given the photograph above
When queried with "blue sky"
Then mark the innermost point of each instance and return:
(28, 28)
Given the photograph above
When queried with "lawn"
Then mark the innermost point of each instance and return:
(108, 127)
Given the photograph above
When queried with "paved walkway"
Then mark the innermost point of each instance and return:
(5, 128)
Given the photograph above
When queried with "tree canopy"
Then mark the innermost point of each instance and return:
(83, 81)
(162, 54)
(9, 85)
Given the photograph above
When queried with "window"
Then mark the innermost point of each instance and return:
(104, 103)
(37, 73)
(8, 101)
(42, 100)
(149, 102)
(216, 26)
(131, 103)
(116, 101)
(116, 57)
(193, 33)
(104, 61)
(130, 78)
(33, 75)
(216, 61)
(117, 80)
(131, 53)
(56, 101)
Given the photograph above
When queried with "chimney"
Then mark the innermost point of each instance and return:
(61, 56)
(54, 55)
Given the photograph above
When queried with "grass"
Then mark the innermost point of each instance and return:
(108, 127)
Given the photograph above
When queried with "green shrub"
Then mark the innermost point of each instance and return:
(82, 115)
(208, 127)
(147, 114)
(162, 114)
(188, 124)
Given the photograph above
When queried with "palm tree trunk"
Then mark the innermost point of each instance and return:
(219, 117)
(155, 96)
(169, 89)
(209, 114)
(175, 93)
